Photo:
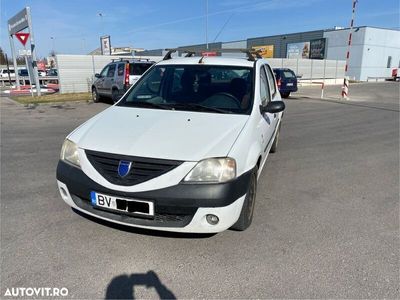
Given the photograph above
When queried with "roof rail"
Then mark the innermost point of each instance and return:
(189, 52)
(252, 54)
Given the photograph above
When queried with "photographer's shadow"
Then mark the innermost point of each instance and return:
(123, 286)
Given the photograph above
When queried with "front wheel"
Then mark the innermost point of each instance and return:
(246, 215)
(95, 95)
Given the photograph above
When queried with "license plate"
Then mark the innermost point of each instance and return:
(133, 206)
(289, 84)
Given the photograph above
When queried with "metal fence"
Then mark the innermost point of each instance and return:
(311, 69)
(76, 72)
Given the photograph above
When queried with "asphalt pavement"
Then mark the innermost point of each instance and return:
(326, 223)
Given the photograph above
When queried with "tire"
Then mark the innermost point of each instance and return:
(285, 94)
(276, 141)
(95, 95)
(246, 215)
(114, 95)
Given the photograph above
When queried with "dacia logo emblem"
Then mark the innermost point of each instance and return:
(124, 167)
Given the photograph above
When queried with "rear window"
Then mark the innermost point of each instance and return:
(288, 74)
(138, 68)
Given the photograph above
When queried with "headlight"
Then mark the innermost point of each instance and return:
(213, 170)
(69, 153)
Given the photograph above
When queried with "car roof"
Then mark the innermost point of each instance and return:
(208, 60)
(132, 61)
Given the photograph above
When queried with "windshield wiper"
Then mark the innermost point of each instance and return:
(147, 104)
(199, 107)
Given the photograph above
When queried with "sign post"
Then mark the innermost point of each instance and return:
(14, 57)
(33, 46)
(16, 24)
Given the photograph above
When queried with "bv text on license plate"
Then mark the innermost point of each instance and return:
(139, 207)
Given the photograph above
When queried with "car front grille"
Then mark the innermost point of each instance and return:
(142, 168)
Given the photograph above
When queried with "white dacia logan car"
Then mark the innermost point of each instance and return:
(181, 151)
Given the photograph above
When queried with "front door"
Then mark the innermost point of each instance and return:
(99, 83)
(268, 122)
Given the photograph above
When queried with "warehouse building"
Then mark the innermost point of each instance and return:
(375, 52)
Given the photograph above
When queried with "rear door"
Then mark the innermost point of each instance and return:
(109, 79)
(120, 77)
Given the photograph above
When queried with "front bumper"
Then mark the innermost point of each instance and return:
(179, 208)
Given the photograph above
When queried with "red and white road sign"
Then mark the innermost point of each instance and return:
(22, 37)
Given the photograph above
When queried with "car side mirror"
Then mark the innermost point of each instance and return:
(273, 107)
(97, 75)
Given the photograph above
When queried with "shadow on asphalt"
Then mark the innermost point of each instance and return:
(123, 286)
(142, 231)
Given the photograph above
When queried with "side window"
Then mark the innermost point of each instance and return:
(104, 71)
(121, 68)
(111, 71)
(271, 80)
(176, 82)
(264, 88)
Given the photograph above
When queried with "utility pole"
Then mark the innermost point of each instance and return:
(345, 87)
(207, 24)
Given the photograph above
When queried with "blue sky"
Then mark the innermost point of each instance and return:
(76, 26)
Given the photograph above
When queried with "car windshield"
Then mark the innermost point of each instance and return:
(215, 89)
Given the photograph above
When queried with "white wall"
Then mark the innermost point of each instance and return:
(337, 41)
(314, 69)
(379, 45)
(76, 72)
(369, 50)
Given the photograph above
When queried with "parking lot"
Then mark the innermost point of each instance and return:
(326, 223)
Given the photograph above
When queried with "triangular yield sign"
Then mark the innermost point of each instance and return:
(22, 37)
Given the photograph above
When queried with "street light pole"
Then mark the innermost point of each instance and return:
(52, 43)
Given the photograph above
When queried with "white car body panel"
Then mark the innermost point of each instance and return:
(165, 134)
(133, 79)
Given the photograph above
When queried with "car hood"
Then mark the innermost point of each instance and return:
(167, 134)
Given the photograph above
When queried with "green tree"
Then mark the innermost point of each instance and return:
(3, 57)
